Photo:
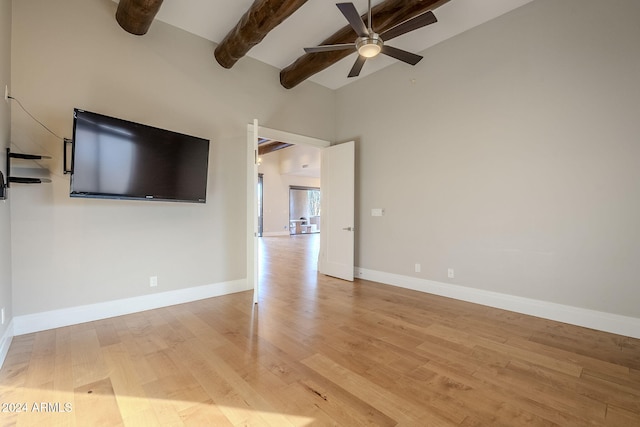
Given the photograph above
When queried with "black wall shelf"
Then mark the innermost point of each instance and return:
(22, 180)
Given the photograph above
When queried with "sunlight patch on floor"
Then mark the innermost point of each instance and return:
(44, 406)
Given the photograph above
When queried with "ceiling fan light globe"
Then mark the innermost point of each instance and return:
(369, 46)
(369, 50)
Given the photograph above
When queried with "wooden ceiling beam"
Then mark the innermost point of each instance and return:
(384, 16)
(262, 17)
(136, 16)
(271, 147)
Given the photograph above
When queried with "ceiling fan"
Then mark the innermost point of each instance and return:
(369, 43)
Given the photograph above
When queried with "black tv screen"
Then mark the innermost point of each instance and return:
(118, 159)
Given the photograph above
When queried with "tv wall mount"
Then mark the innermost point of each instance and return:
(68, 144)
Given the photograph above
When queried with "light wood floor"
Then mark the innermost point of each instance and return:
(319, 351)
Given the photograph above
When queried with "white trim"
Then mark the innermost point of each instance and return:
(602, 321)
(252, 209)
(36, 322)
(5, 342)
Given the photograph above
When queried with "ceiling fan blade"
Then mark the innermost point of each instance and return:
(402, 55)
(351, 13)
(330, 47)
(409, 25)
(357, 66)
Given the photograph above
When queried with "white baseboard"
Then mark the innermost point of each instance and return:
(276, 233)
(36, 322)
(5, 342)
(608, 322)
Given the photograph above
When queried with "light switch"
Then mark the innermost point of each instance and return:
(377, 212)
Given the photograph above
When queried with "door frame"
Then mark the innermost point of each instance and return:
(252, 190)
(260, 197)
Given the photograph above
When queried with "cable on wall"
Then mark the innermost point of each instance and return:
(20, 148)
(41, 124)
(32, 116)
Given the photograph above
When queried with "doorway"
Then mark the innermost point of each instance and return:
(338, 213)
(254, 134)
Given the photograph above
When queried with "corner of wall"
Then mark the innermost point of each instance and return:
(6, 295)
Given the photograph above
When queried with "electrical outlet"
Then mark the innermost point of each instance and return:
(418, 268)
(6, 93)
(450, 273)
(153, 281)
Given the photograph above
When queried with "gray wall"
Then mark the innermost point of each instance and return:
(5, 124)
(511, 154)
(72, 53)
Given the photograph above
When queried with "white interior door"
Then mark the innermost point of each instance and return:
(252, 208)
(337, 183)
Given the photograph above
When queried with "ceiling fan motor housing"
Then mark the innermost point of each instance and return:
(370, 45)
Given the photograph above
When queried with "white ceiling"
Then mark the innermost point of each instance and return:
(317, 20)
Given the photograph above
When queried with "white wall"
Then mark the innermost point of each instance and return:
(301, 160)
(276, 188)
(511, 154)
(5, 125)
(72, 53)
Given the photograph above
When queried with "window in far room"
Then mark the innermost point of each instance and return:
(304, 210)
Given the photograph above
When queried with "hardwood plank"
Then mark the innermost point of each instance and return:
(126, 383)
(509, 350)
(621, 417)
(96, 404)
(588, 362)
(142, 418)
(343, 407)
(611, 393)
(379, 397)
(107, 334)
(593, 344)
(490, 404)
(550, 401)
(204, 414)
(410, 386)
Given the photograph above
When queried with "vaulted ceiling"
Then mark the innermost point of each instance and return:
(276, 31)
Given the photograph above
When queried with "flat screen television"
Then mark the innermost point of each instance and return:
(117, 159)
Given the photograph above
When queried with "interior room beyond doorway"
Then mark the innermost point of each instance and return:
(304, 210)
(289, 186)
